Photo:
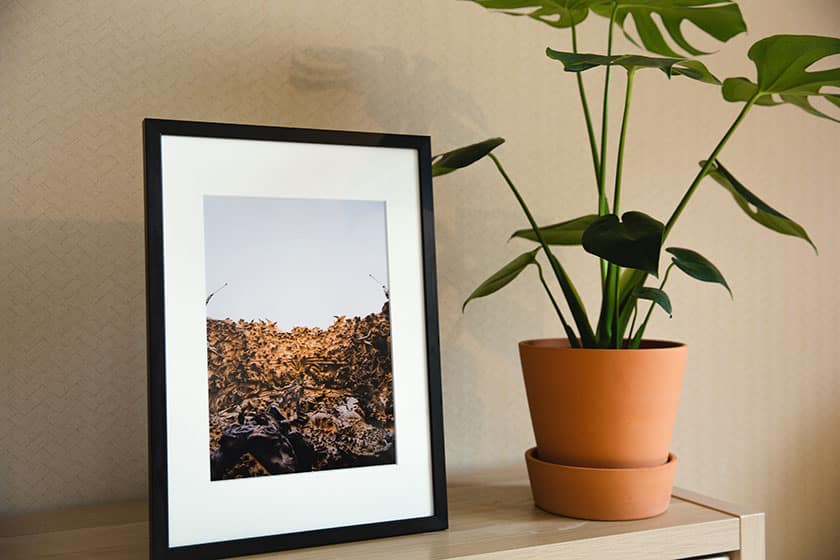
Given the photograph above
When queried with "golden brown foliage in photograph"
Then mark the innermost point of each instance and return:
(307, 399)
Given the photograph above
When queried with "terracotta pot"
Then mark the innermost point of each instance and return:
(601, 494)
(603, 408)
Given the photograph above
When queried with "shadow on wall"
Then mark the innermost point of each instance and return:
(73, 348)
(393, 91)
(73, 337)
(398, 92)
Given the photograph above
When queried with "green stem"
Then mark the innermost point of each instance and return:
(573, 341)
(569, 292)
(605, 318)
(590, 131)
(602, 174)
(603, 205)
(604, 268)
(637, 338)
(619, 166)
(706, 166)
(616, 332)
(635, 314)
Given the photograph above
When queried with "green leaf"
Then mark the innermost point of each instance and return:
(556, 13)
(697, 266)
(741, 89)
(695, 70)
(655, 295)
(564, 233)
(462, 157)
(719, 18)
(634, 242)
(754, 207)
(504, 276)
(587, 337)
(580, 62)
(782, 63)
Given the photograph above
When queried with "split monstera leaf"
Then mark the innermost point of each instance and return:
(789, 70)
(782, 74)
(575, 62)
(719, 18)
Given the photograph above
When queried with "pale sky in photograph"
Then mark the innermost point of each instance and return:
(298, 262)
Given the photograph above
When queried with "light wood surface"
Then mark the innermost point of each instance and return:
(752, 523)
(491, 518)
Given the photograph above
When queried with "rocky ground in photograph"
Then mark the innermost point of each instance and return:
(307, 399)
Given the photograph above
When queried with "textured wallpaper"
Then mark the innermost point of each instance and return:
(759, 418)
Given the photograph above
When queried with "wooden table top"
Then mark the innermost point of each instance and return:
(491, 517)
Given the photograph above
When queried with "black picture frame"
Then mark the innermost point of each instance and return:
(154, 131)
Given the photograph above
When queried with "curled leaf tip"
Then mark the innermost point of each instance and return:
(448, 162)
(755, 207)
(697, 266)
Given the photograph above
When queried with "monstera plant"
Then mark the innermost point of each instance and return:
(604, 399)
(629, 243)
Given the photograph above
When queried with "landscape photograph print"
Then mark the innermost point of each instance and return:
(298, 335)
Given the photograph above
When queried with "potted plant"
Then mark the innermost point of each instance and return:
(603, 399)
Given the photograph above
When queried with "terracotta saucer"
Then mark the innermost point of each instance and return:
(601, 494)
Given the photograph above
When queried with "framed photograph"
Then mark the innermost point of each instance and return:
(294, 369)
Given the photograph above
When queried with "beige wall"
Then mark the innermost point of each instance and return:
(759, 420)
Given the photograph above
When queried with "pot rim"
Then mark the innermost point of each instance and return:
(562, 344)
(532, 456)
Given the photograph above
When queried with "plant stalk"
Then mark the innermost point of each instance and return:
(587, 115)
(619, 166)
(635, 315)
(617, 334)
(637, 338)
(606, 321)
(573, 340)
(605, 317)
(587, 337)
(602, 195)
(708, 165)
